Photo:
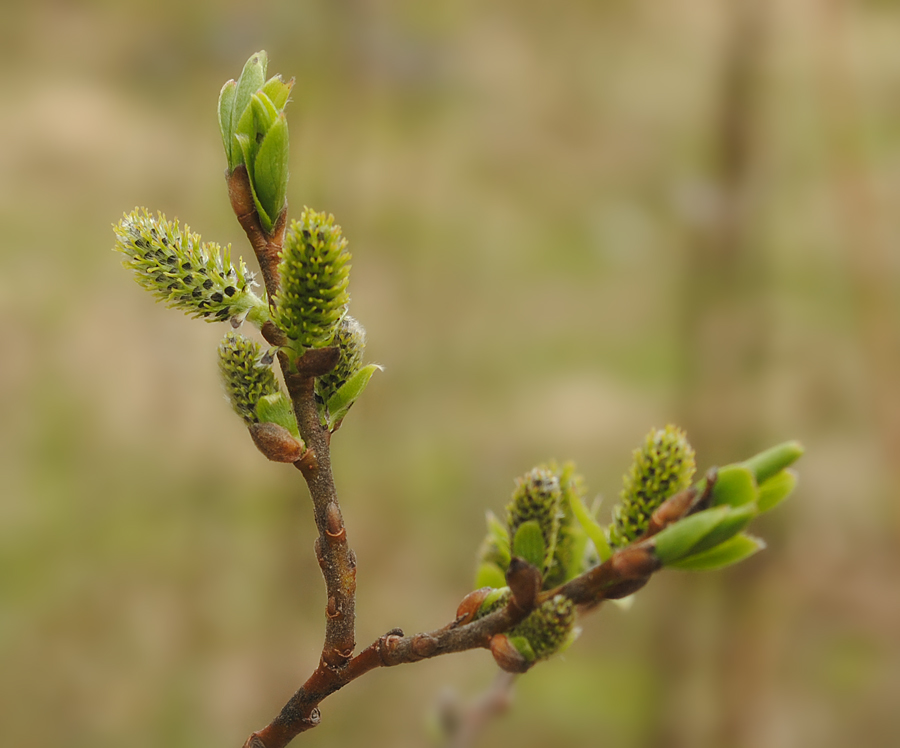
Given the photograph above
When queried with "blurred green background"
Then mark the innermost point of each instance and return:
(571, 221)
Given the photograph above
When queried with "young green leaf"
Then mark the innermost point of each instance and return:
(523, 646)
(595, 532)
(733, 522)
(276, 408)
(776, 489)
(528, 543)
(226, 108)
(270, 171)
(253, 77)
(340, 402)
(278, 91)
(489, 575)
(571, 540)
(497, 598)
(494, 550)
(774, 460)
(732, 551)
(678, 540)
(735, 486)
(264, 112)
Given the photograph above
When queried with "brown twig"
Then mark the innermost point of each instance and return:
(267, 247)
(626, 571)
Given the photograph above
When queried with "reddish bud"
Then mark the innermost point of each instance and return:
(506, 656)
(276, 442)
(470, 605)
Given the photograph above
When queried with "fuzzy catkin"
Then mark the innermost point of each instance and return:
(315, 273)
(350, 339)
(246, 378)
(548, 628)
(661, 467)
(536, 497)
(173, 264)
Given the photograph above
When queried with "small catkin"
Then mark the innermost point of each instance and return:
(350, 339)
(315, 272)
(568, 555)
(536, 497)
(548, 628)
(663, 466)
(247, 380)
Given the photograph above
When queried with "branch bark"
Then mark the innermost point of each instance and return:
(626, 571)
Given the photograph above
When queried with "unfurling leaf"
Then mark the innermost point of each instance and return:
(732, 551)
(678, 540)
(773, 460)
(276, 408)
(255, 134)
(340, 401)
(528, 543)
(595, 532)
(776, 489)
(735, 485)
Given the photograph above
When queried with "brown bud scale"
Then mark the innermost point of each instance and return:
(276, 442)
(506, 656)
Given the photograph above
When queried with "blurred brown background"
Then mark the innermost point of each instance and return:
(571, 221)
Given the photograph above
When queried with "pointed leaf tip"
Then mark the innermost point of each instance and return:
(776, 489)
(773, 460)
(732, 551)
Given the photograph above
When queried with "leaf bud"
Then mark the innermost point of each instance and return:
(276, 442)
(255, 134)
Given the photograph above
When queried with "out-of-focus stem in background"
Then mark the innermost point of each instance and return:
(724, 329)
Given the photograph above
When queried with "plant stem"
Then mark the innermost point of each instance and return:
(266, 246)
(625, 571)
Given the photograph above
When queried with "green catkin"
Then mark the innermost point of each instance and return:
(663, 466)
(350, 339)
(197, 278)
(568, 556)
(246, 377)
(315, 272)
(536, 497)
(548, 628)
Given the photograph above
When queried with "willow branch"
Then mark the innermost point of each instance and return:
(624, 572)
(267, 247)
